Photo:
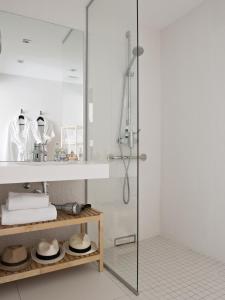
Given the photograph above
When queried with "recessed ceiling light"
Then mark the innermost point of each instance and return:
(26, 41)
(20, 61)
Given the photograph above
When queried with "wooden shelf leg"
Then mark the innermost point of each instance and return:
(100, 243)
(83, 228)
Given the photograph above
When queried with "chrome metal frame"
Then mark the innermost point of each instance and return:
(86, 111)
(142, 157)
(138, 146)
(131, 288)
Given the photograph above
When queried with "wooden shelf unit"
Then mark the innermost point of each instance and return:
(63, 220)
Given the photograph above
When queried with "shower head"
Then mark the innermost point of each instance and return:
(138, 51)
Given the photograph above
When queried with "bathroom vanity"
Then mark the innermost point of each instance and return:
(13, 172)
(54, 171)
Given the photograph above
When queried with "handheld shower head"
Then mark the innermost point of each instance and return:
(138, 51)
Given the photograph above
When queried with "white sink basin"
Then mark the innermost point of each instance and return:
(20, 172)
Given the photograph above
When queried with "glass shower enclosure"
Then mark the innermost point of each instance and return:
(112, 131)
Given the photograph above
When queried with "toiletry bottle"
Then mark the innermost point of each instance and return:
(62, 154)
(57, 152)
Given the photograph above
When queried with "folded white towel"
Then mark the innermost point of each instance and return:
(18, 201)
(17, 217)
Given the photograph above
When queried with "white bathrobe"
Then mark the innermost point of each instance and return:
(19, 142)
(42, 134)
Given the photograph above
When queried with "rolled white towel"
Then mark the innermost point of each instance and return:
(17, 201)
(25, 216)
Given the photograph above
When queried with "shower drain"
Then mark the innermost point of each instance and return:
(124, 240)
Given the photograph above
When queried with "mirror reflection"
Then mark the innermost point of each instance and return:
(41, 90)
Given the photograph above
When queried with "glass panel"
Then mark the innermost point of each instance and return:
(112, 128)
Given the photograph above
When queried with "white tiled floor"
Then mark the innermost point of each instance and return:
(167, 272)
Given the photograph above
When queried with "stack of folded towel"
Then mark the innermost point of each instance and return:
(24, 208)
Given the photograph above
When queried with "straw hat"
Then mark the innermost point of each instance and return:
(79, 244)
(14, 258)
(47, 252)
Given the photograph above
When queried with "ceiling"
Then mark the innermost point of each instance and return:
(160, 13)
(153, 13)
(69, 13)
(51, 52)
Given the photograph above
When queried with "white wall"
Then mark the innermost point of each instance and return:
(193, 93)
(150, 135)
(72, 104)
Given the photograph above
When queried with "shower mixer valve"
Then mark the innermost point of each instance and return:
(128, 138)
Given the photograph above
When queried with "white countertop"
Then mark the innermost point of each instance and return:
(13, 172)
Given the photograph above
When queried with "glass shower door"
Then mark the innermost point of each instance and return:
(112, 129)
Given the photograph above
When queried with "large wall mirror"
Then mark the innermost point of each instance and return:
(41, 90)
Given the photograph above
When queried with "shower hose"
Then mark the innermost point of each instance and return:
(126, 180)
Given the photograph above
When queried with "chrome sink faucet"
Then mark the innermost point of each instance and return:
(44, 184)
(40, 152)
